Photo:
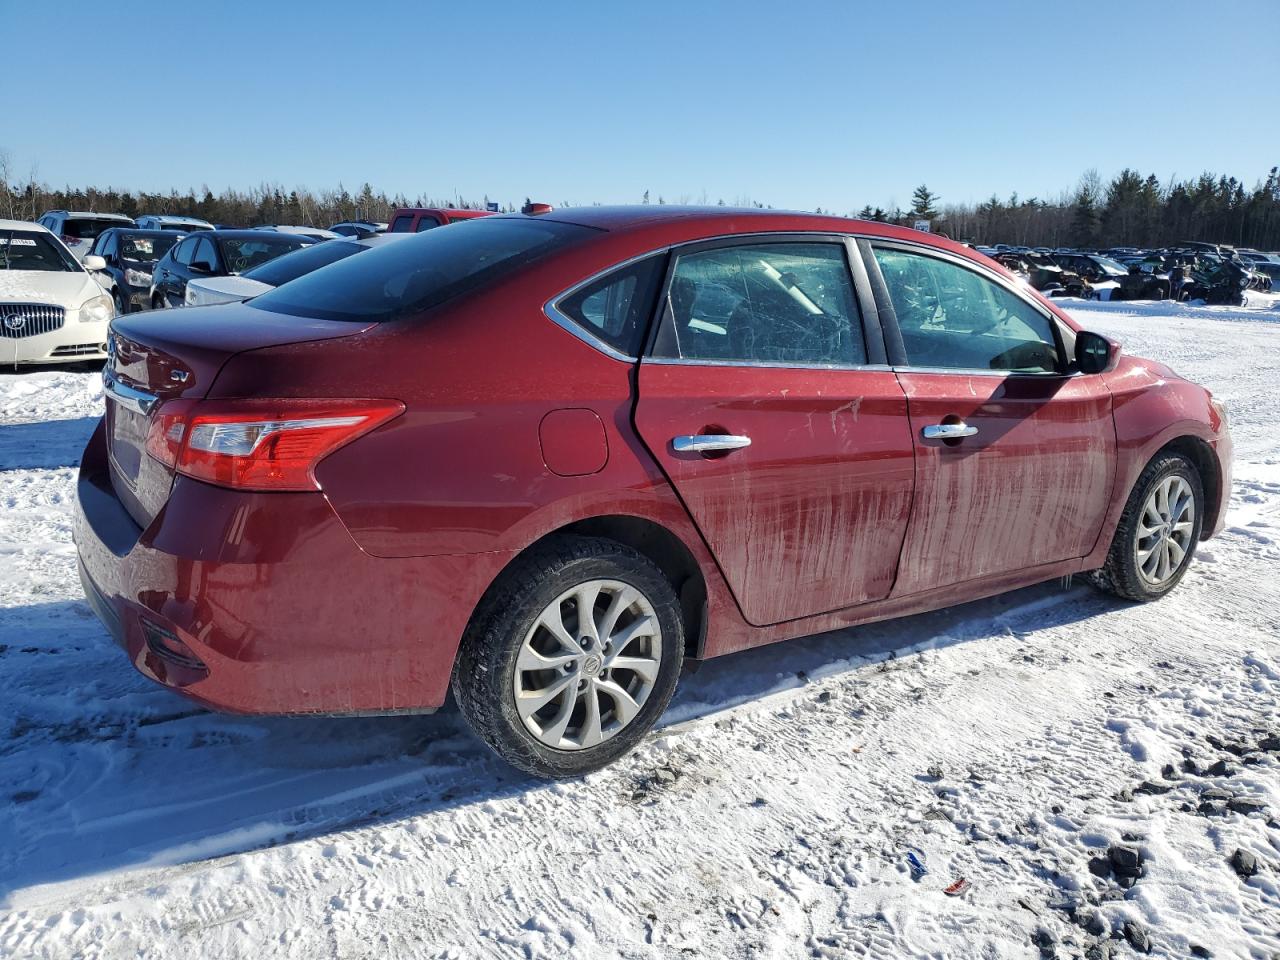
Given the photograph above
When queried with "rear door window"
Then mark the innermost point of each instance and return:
(778, 303)
(426, 222)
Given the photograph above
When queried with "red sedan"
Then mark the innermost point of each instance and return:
(545, 459)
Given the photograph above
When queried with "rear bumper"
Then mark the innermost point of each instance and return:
(279, 609)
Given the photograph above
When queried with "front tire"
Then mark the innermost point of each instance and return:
(1158, 532)
(559, 694)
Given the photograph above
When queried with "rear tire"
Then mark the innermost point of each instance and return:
(529, 695)
(1157, 534)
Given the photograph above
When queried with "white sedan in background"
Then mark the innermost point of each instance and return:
(51, 308)
(233, 289)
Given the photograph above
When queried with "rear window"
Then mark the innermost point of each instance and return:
(301, 262)
(146, 249)
(87, 229)
(415, 274)
(28, 250)
(402, 225)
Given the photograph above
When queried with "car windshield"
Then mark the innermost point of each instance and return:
(144, 249)
(301, 262)
(1111, 265)
(421, 272)
(28, 250)
(243, 254)
(86, 228)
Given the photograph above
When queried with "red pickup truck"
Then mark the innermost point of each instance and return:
(417, 219)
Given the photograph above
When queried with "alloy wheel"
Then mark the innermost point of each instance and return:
(587, 665)
(1165, 529)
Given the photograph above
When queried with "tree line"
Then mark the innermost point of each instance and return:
(1131, 209)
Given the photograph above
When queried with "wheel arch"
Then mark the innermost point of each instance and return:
(1206, 463)
(666, 550)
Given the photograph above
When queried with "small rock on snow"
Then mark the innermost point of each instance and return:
(1137, 937)
(1125, 861)
(1244, 863)
(1100, 867)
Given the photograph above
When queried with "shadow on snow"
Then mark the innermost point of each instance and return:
(104, 770)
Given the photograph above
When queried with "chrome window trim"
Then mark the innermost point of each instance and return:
(981, 372)
(551, 309)
(768, 364)
(552, 312)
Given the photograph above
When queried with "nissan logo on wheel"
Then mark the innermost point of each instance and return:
(15, 321)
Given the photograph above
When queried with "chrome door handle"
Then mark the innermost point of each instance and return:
(948, 431)
(708, 442)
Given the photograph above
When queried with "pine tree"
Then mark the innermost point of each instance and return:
(923, 201)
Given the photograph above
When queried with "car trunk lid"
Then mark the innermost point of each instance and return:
(170, 355)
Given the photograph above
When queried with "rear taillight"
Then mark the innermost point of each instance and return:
(260, 444)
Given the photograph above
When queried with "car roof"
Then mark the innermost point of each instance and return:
(679, 224)
(171, 218)
(23, 225)
(249, 235)
(91, 215)
(148, 232)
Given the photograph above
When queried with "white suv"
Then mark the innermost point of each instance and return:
(78, 229)
(51, 309)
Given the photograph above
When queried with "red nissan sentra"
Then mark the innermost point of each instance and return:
(545, 459)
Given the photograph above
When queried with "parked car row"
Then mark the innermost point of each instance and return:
(1188, 272)
(539, 461)
(68, 274)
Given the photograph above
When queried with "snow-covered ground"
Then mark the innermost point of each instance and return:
(1006, 742)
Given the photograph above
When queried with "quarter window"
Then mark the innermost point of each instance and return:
(184, 251)
(782, 303)
(615, 307)
(952, 317)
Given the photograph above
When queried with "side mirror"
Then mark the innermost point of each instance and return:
(94, 262)
(202, 266)
(1095, 353)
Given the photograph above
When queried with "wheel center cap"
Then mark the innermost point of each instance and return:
(591, 666)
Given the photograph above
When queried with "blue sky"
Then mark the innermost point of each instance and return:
(795, 104)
